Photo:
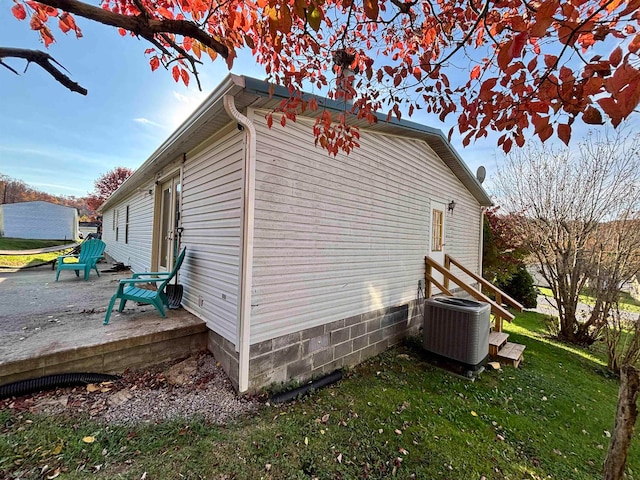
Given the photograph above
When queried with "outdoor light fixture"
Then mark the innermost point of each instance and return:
(451, 205)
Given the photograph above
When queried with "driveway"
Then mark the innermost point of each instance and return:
(547, 306)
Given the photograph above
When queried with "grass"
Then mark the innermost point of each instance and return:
(627, 302)
(19, 261)
(395, 414)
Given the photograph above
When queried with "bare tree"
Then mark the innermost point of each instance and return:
(576, 211)
(622, 338)
(616, 261)
(626, 415)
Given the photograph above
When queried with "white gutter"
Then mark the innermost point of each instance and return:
(481, 245)
(246, 263)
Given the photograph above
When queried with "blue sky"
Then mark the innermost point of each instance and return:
(59, 141)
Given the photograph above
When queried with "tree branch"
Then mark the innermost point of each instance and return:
(404, 7)
(467, 36)
(141, 24)
(43, 59)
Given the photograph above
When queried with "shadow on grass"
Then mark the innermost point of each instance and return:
(529, 329)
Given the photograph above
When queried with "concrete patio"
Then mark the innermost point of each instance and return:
(49, 327)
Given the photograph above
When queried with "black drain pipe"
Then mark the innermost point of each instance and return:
(49, 382)
(304, 389)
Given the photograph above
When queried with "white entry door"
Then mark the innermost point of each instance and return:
(169, 222)
(437, 238)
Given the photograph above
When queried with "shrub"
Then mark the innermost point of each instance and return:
(520, 286)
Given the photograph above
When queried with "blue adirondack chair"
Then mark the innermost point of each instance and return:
(158, 298)
(90, 252)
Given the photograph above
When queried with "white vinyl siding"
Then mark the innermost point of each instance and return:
(211, 217)
(137, 252)
(336, 237)
(463, 234)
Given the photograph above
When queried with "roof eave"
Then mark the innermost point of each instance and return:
(434, 137)
(167, 150)
(233, 84)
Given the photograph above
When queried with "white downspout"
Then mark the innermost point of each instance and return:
(481, 245)
(246, 261)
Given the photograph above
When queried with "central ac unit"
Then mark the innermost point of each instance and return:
(457, 329)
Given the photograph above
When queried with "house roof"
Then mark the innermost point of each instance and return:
(210, 117)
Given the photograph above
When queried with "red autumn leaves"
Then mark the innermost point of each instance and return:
(40, 15)
(518, 66)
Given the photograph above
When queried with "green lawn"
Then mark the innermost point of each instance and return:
(393, 415)
(627, 302)
(24, 244)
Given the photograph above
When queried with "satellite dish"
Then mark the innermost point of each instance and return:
(481, 173)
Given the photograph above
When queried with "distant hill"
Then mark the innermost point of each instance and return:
(15, 191)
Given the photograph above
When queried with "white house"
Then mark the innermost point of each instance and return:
(299, 262)
(38, 220)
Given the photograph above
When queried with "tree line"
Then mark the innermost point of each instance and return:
(15, 191)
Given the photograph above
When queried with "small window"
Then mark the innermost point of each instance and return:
(117, 221)
(437, 231)
(126, 225)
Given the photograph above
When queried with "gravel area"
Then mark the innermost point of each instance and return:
(196, 386)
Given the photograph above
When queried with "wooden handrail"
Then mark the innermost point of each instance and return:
(496, 309)
(485, 283)
(442, 288)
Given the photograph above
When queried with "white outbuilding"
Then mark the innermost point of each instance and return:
(38, 220)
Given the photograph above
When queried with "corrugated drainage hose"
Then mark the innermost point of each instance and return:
(49, 382)
(300, 391)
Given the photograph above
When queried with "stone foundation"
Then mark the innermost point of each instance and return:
(321, 350)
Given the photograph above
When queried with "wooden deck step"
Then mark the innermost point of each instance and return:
(496, 341)
(511, 353)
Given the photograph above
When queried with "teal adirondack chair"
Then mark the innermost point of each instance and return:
(90, 252)
(158, 298)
